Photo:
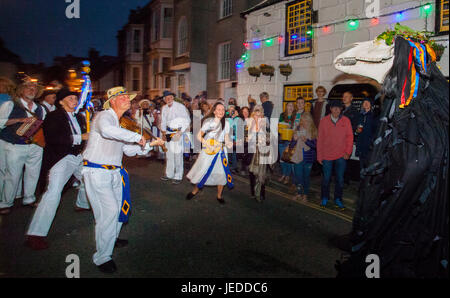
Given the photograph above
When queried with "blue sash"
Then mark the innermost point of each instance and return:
(230, 180)
(126, 200)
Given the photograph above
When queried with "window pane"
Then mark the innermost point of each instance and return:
(297, 23)
(137, 41)
(167, 29)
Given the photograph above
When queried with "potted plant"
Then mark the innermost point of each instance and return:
(267, 70)
(285, 70)
(254, 71)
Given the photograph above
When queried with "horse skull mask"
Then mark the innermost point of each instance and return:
(371, 59)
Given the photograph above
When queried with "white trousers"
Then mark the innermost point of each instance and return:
(104, 190)
(16, 158)
(174, 159)
(3, 170)
(58, 176)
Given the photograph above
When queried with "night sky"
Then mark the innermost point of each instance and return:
(38, 30)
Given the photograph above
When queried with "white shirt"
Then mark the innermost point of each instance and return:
(7, 107)
(214, 131)
(50, 107)
(77, 133)
(175, 117)
(108, 141)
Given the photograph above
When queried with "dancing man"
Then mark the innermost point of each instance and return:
(64, 138)
(175, 122)
(106, 180)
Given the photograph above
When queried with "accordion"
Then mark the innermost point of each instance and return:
(32, 132)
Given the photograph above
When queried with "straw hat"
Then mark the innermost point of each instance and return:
(116, 91)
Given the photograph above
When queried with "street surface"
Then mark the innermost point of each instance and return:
(171, 237)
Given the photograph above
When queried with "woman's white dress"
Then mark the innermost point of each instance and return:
(204, 160)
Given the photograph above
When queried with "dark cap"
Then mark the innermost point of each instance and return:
(63, 93)
(167, 93)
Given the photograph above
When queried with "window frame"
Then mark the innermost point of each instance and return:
(167, 26)
(136, 78)
(308, 44)
(221, 63)
(308, 97)
(156, 25)
(137, 40)
(182, 51)
(439, 29)
(222, 9)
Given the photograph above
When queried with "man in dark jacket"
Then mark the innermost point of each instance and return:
(349, 110)
(365, 131)
(62, 158)
(351, 113)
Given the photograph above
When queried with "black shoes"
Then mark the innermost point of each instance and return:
(121, 243)
(221, 200)
(190, 195)
(108, 267)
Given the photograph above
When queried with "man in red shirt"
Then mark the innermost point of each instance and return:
(334, 147)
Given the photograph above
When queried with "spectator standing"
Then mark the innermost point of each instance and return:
(251, 103)
(245, 156)
(266, 104)
(288, 116)
(334, 147)
(304, 155)
(365, 131)
(259, 169)
(300, 108)
(351, 113)
(320, 107)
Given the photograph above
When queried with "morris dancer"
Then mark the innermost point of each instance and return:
(175, 122)
(106, 180)
(212, 168)
(64, 139)
(20, 153)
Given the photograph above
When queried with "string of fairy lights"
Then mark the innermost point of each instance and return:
(352, 24)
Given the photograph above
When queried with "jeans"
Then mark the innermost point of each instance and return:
(302, 177)
(286, 168)
(339, 168)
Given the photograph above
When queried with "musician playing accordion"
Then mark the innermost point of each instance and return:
(16, 116)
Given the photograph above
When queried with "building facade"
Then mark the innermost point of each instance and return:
(309, 34)
(225, 38)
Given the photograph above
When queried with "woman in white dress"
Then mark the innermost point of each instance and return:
(204, 172)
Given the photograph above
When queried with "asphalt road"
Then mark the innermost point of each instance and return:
(171, 237)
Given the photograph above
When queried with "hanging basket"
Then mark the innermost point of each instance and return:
(439, 51)
(285, 70)
(254, 72)
(267, 70)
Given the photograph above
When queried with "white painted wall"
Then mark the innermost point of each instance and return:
(317, 68)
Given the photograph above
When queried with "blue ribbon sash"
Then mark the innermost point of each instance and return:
(230, 181)
(126, 198)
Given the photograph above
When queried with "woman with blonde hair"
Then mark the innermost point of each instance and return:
(259, 165)
(304, 154)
